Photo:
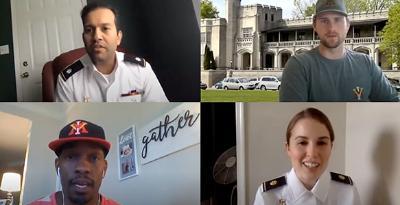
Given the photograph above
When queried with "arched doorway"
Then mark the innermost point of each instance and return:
(246, 61)
(382, 60)
(284, 58)
(269, 60)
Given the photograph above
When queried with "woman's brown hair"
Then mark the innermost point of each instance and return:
(312, 113)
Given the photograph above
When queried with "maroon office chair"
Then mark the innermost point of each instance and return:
(52, 68)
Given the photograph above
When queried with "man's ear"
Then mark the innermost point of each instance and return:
(105, 167)
(56, 164)
(119, 36)
(348, 24)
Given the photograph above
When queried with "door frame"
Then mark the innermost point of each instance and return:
(16, 50)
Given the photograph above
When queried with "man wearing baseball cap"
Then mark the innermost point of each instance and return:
(331, 72)
(81, 166)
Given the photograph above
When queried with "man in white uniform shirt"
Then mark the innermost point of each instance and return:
(103, 74)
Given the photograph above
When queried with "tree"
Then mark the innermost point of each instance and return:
(310, 10)
(305, 8)
(213, 64)
(301, 6)
(209, 61)
(206, 60)
(390, 44)
(208, 10)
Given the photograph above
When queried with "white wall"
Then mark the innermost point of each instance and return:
(372, 151)
(174, 179)
(44, 126)
(265, 127)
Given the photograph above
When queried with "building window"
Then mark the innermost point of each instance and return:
(272, 17)
(266, 17)
(205, 37)
(301, 36)
(247, 32)
(357, 33)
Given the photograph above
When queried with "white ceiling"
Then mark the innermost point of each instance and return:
(15, 127)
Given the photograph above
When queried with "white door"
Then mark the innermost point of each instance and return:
(42, 29)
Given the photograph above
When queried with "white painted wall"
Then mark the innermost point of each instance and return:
(174, 179)
(265, 127)
(39, 165)
(372, 151)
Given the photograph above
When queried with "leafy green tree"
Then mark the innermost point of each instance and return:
(206, 60)
(213, 64)
(208, 10)
(310, 10)
(390, 44)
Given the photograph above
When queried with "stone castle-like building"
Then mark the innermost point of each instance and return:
(254, 40)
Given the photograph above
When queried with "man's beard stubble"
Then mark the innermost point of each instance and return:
(334, 45)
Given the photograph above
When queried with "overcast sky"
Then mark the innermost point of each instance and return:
(286, 5)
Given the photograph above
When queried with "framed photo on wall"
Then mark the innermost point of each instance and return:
(127, 157)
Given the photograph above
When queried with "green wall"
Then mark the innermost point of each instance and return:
(7, 71)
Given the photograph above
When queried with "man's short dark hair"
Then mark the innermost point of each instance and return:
(98, 5)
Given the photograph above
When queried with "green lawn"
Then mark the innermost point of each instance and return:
(239, 96)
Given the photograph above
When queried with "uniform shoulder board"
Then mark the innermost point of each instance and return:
(275, 183)
(341, 178)
(71, 69)
(134, 59)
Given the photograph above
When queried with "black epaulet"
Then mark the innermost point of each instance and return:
(275, 183)
(341, 178)
(134, 59)
(71, 69)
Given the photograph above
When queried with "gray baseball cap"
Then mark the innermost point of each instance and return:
(337, 6)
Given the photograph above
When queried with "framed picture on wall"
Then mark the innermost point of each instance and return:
(3, 201)
(127, 157)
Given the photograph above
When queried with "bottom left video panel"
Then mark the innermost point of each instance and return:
(100, 153)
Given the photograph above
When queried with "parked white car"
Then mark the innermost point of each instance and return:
(269, 83)
(236, 83)
(254, 79)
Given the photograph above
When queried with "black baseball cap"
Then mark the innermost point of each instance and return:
(81, 131)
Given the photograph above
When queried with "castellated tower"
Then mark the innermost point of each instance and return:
(232, 11)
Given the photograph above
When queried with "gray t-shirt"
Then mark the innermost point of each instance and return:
(355, 77)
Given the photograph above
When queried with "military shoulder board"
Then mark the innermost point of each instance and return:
(134, 59)
(341, 178)
(275, 183)
(71, 69)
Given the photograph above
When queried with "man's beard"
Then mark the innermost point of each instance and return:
(80, 200)
(335, 44)
(96, 58)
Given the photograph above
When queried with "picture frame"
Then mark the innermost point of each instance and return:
(127, 154)
(3, 201)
